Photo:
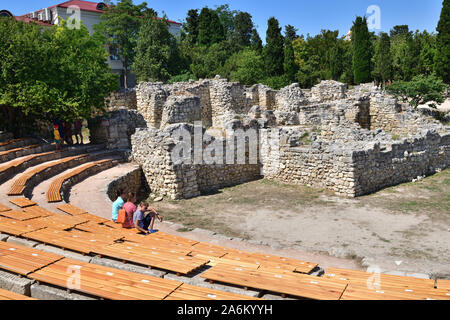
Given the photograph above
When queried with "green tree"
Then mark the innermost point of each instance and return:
(191, 26)
(246, 66)
(210, 29)
(256, 42)
(290, 67)
(207, 62)
(362, 51)
(400, 30)
(442, 59)
(420, 90)
(56, 72)
(155, 49)
(243, 28)
(273, 52)
(226, 17)
(120, 24)
(290, 33)
(382, 60)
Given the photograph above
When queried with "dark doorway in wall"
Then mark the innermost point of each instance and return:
(363, 116)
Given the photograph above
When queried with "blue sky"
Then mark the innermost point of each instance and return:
(308, 16)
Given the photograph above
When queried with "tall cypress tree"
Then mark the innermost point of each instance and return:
(256, 42)
(274, 53)
(362, 51)
(243, 27)
(442, 58)
(210, 29)
(192, 26)
(383, 59)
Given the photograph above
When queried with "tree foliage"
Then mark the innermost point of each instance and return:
(362, 51)
(56, 72)
(442, 57)
(420, 90)
(119, 26)
(273, 52)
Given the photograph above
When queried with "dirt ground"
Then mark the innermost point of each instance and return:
(404, 228)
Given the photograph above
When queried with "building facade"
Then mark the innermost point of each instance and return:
(89, 13)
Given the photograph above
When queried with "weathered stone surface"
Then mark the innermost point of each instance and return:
(65, 253)
(127, 267)
(47, 292)
(14, 283)
(22, 242)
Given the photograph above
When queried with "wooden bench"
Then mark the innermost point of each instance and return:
(4, 208)
(104, 282)
(178, 263)
(22, 202)
(294, 284)
(10, 151)
(20, 184)
(443, 284)
(18, 228)
(8, 295)
(356, 292)
(13, 165)
(39, 211)
(386, 281)
(20, 215)
(61, 222)
(210, 250)
(23, 260)
(70, 209)
(272, 262)
(189, 292)
(54, 191)
(78, 241)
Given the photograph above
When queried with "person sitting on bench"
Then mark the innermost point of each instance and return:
(144, 218)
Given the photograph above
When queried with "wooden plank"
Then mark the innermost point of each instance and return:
(362, 278)
(4, 208)
(295, 284)
(158, 259)
(22, 202)
(23, 260)
(39, 211)
(18, 228)
(70, 209)
(189, 292)
(106, 282)
(355, 292)
(8, 295)
(20, 215)
(443, 284)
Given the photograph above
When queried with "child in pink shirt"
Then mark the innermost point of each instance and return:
(130, 208)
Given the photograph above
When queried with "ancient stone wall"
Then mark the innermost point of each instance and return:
(378, 168)
(132, 182)
(115, 131)
(181, 109)
(123, 99)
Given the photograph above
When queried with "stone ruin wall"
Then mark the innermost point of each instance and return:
(152, 149)
(334, 138)
(401, 162)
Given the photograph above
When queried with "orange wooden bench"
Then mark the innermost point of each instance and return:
(17, 228)
(272, 262)
(20, 215)
(16, 163)
(104, 282)
(294, 284)
(189, 292)
(8, 295)
(54, 191)
(60, 222)
(356, 292)
(70, 209)
(23, 260)
(361, 278)
(443, 284)
(178, 263)
(79, 241)
(4, 208)
(20, 184)
(22, 202)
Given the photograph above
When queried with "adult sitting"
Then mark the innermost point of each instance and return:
(118, 204)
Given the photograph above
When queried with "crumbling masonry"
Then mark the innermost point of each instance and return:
(352, 142)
